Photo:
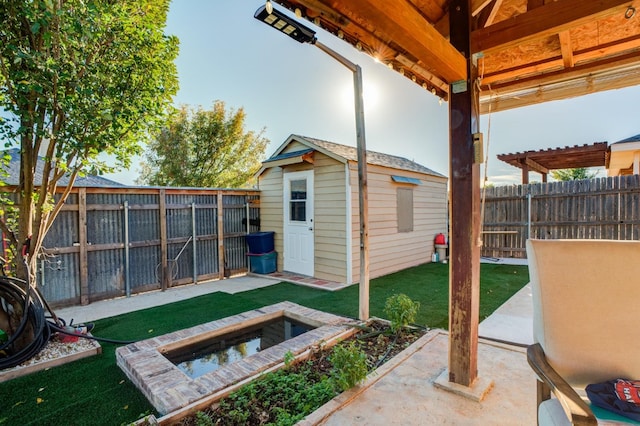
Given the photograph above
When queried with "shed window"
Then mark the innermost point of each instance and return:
(404, 206)
(298, 201)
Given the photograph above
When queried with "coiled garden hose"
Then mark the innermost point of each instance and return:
(35, 328)
(15, 350)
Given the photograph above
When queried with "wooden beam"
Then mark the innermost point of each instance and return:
(535, 166)
(532, 4)
(615, 73)
(566, 49)
(585, 55)
(464, 277)
(412, 66)
(402, 23)
(542, 21)
(478, 5)
(488, 14)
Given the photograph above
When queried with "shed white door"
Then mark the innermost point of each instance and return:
(298, 222)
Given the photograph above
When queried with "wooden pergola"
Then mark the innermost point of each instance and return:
(569, 157)
(480, 56)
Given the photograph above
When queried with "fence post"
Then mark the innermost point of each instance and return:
(165, 279)
(195, 242)
(127, 282)
(82, 236)
(221, 235)
(619, 219)
(529, 214)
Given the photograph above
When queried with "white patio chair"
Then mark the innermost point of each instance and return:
(586, 305)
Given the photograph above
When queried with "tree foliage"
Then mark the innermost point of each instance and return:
(204, 148)
(78, 78)
(573, 174)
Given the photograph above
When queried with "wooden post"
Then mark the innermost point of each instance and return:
(464, 278)
(363, 198)
(164, 274)
(525, 174)
(82, 237)
(221, 236)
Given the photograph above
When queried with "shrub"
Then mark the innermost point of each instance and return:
(349, 365)
(401, 311)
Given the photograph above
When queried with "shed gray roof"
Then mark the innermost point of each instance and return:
(635, 138)
(379, 159)
(13, 171)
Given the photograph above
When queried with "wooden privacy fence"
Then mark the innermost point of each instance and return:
(109, 242)
(604, 208)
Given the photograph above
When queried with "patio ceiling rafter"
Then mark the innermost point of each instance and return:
(549, 19)
(570, 157)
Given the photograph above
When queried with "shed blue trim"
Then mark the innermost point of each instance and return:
(404, 179)
(288, 155)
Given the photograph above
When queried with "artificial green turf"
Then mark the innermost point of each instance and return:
(94, 391)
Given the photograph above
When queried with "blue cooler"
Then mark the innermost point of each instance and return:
(260, 242)
(265, 263)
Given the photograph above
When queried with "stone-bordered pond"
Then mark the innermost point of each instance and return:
(153, 365)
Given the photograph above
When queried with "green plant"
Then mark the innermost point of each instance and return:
(282, 397)
(203, 420)
(349, 365)
(401, 310)
(289, 357)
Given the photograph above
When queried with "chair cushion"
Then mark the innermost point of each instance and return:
(550, 413)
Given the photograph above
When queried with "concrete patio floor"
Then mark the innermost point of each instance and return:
(403, 393)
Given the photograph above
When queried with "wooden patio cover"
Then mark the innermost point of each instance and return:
(483, 55)
(570, 157)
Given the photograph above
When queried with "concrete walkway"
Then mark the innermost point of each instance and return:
(123, 305)
(512, 322)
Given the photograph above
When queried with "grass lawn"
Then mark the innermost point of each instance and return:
(94, 391)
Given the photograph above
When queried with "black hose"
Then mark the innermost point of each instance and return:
(17, 293)
(15, 350)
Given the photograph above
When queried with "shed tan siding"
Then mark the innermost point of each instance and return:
(330, 219)
(271, 214)
(390, 250)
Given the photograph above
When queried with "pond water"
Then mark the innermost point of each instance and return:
(207, 356)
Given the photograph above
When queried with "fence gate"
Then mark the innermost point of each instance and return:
(110, 242)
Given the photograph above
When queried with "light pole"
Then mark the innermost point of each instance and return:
(303, 34)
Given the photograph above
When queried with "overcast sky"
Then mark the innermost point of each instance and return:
(291, 88)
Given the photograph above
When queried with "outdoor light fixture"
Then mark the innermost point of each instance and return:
(284, 24)
(302, 34)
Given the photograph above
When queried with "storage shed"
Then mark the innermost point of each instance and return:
(309, 198)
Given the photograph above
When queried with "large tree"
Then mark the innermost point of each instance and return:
(204, 148)
(573, 174)
(78, 78)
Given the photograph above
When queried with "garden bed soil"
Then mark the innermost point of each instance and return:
(376, 341)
